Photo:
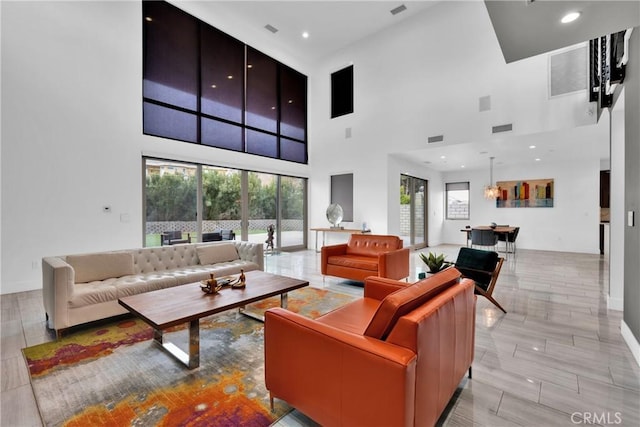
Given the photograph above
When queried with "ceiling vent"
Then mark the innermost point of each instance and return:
(398, 9)
(484, 103)
(437, 138)
(271, 28)
(568, 71)
(502, 128)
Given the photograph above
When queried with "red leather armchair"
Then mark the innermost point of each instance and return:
(392, 358)
(366, 255)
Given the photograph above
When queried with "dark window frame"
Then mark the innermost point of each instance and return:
(175, 111)
(457, 186)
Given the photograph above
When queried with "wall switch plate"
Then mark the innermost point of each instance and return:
(631, 219)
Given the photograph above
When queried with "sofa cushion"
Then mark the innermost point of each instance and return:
(403, 301)
(214, 254)
(101, 266)
(372, 245)
(354, 261)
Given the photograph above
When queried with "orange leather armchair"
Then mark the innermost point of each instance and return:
(366, 255)
(392, 358)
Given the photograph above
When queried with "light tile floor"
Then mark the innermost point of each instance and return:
(557, 357)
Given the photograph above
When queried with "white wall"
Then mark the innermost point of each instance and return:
(415, 80)
(72, 124)
(571, 225)
(72, 137)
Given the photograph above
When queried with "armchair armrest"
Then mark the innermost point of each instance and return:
(379, 287)
(337, 377)
(327, 251)
(394, 264)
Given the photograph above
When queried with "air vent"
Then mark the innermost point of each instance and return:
(398, 9)
(484, 103)
(567, 71)
(437, 138)
(271, 28)
(502, 128)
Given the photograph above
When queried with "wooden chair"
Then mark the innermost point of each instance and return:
(483, 267)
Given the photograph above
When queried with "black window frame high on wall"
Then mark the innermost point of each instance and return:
(169, 112)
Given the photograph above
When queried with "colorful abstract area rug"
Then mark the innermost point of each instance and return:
(114, 375)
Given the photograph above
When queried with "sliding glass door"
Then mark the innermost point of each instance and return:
(292, 212)
(170, 201)
(413, 211)
(189, 199)
(221, 194)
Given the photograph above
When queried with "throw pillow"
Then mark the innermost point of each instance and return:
(214, 254)
(101, 266)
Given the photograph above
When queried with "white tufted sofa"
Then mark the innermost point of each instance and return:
(82, 288)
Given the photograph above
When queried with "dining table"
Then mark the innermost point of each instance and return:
(499, 229)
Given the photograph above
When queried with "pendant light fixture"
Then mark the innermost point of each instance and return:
(491, 191)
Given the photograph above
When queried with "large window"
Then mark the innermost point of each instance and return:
(187, 199)
(203, 86)
(457, 196)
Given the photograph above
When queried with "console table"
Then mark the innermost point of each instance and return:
(336, 230)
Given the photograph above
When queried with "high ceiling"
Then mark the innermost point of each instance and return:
(523, 28)
(331, 25)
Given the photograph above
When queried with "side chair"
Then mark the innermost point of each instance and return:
(510, 240)
(481, 237)
(483, 267)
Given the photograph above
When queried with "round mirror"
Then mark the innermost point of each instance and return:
(334, 214)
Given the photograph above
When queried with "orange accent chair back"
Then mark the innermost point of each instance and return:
(366, 255)
(392, 358)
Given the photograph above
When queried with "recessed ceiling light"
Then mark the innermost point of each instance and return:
(229, 77)
(532, 146)
(214, 86)
(249, 66)
(305, 35)
(570, 17)
(462, 166)
(537, 159)
(148, 19)
(443, 157)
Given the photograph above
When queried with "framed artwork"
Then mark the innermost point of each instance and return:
(532, 193)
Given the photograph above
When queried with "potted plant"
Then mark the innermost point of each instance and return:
(435, 262)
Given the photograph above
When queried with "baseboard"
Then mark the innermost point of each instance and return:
(615, 303)
(631, 341)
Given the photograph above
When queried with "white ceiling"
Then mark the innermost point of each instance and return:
(331, 25)
(523, 29)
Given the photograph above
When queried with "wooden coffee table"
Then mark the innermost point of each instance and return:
(169, 307)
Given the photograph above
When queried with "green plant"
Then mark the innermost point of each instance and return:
(435, 262)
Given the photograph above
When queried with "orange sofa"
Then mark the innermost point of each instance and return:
(366, 255)
(392, 358)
